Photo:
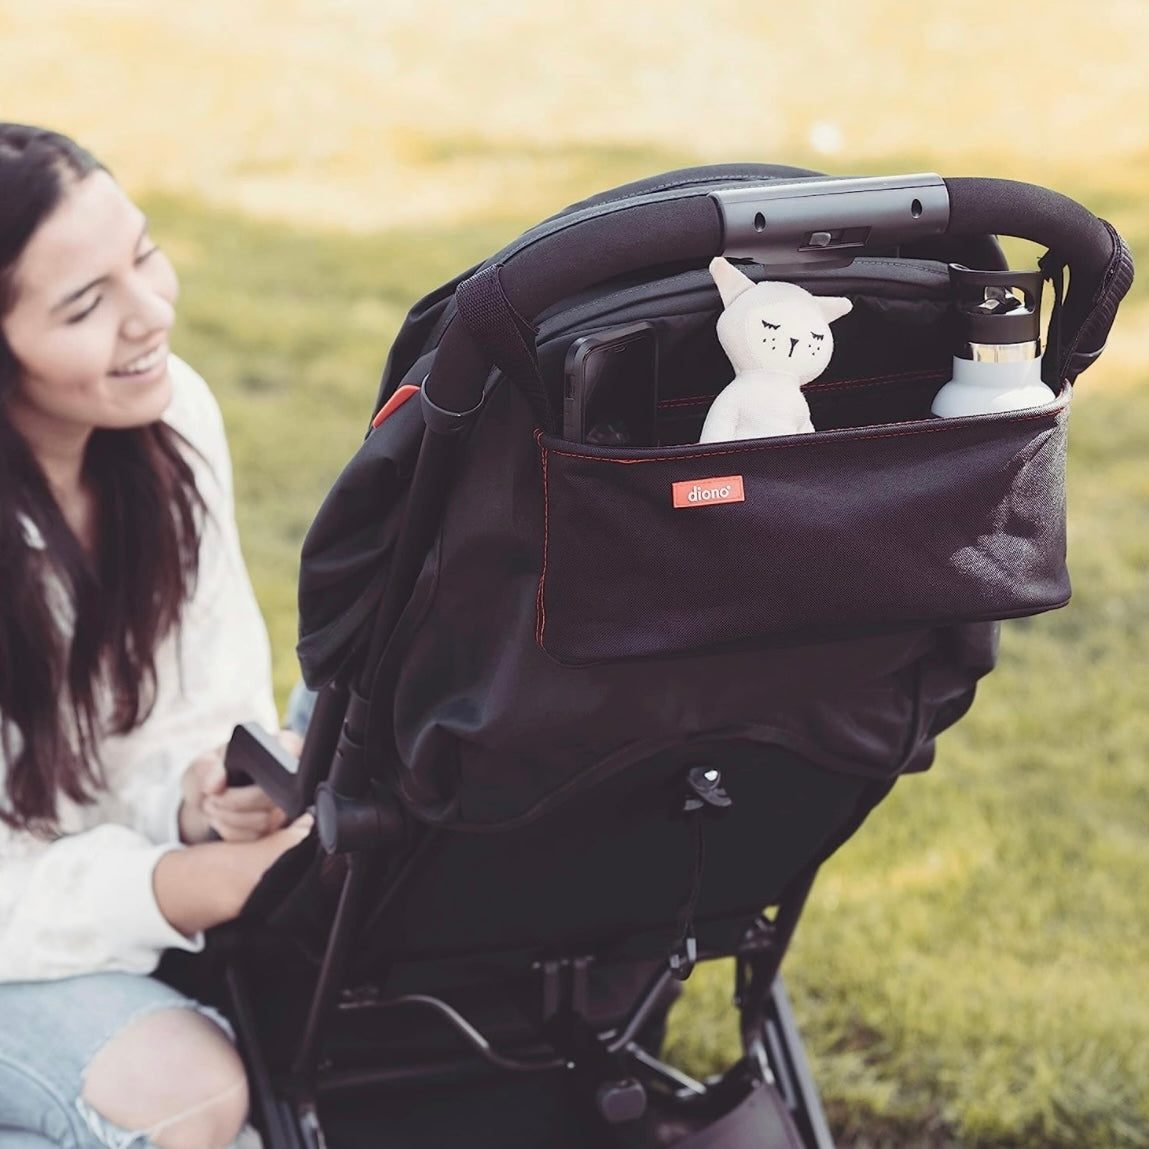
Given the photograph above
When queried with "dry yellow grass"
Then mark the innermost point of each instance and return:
(364, 113)
(369, 114)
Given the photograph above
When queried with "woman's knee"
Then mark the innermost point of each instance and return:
(174, 1074)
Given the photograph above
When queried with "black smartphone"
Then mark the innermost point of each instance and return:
(611, 387)
(255, 756)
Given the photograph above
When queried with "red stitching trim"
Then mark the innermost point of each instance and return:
(787, 441)
(861, 381)
(540, 603)
(876, 380)
(693, 399)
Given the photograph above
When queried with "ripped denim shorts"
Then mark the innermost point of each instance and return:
(50, 1031)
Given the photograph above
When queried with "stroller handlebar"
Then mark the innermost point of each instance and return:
(826, 221)
(787, 224)
(1006, 207)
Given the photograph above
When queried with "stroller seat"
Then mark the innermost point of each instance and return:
(571, 739)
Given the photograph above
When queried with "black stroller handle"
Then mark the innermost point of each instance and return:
(823, 224)
(1006, 207)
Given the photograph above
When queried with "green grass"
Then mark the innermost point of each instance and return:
(971, 968)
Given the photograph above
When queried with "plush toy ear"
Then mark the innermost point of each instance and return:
(833, 306)
(731, 282)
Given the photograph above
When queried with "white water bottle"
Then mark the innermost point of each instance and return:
(997, 360)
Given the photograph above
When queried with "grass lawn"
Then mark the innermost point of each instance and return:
(971, 968)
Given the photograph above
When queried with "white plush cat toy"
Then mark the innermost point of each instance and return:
(777, 336)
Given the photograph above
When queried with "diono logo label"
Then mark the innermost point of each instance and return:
(704, 492)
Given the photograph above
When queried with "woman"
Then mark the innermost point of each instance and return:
(130, 645)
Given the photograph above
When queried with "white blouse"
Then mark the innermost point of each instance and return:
(83, 901)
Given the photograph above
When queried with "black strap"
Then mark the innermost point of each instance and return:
(1072, 351)
(1052, 267)
(705, 798)
(506, 337)
(684, 954)
(1088, 341)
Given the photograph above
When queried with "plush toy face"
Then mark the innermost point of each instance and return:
(787, 336)
(774, 326)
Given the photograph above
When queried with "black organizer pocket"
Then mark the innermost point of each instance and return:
(842, 531)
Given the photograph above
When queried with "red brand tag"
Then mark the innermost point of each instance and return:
(704, 492)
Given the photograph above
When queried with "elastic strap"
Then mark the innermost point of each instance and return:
(684, 955)
(1052, 267)
(505, 336)
(1073, 351)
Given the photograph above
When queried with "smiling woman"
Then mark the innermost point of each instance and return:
(130, 645)
(88, 326)
(113, 326)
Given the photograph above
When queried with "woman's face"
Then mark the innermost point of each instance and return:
(94, 301)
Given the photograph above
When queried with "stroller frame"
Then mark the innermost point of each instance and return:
(774, 1055)
(769, 1093)
(790, 219)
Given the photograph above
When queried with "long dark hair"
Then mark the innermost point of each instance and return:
(123, 599)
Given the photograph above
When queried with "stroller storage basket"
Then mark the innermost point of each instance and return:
(801, 537)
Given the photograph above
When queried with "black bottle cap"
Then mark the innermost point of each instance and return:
(996, 307)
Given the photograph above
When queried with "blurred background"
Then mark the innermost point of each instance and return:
(972, 970)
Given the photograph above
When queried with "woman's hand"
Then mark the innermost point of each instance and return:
(250, 860)
(236, 813)
(242, 814)
(203, 779)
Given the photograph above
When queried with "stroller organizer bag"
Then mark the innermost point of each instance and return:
(549, 668)
(914, 522)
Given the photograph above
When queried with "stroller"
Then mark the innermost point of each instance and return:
(571, 739)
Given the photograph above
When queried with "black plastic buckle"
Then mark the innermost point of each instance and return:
(684, 957)
(706, 792)
(565, 986)
(757, 951)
